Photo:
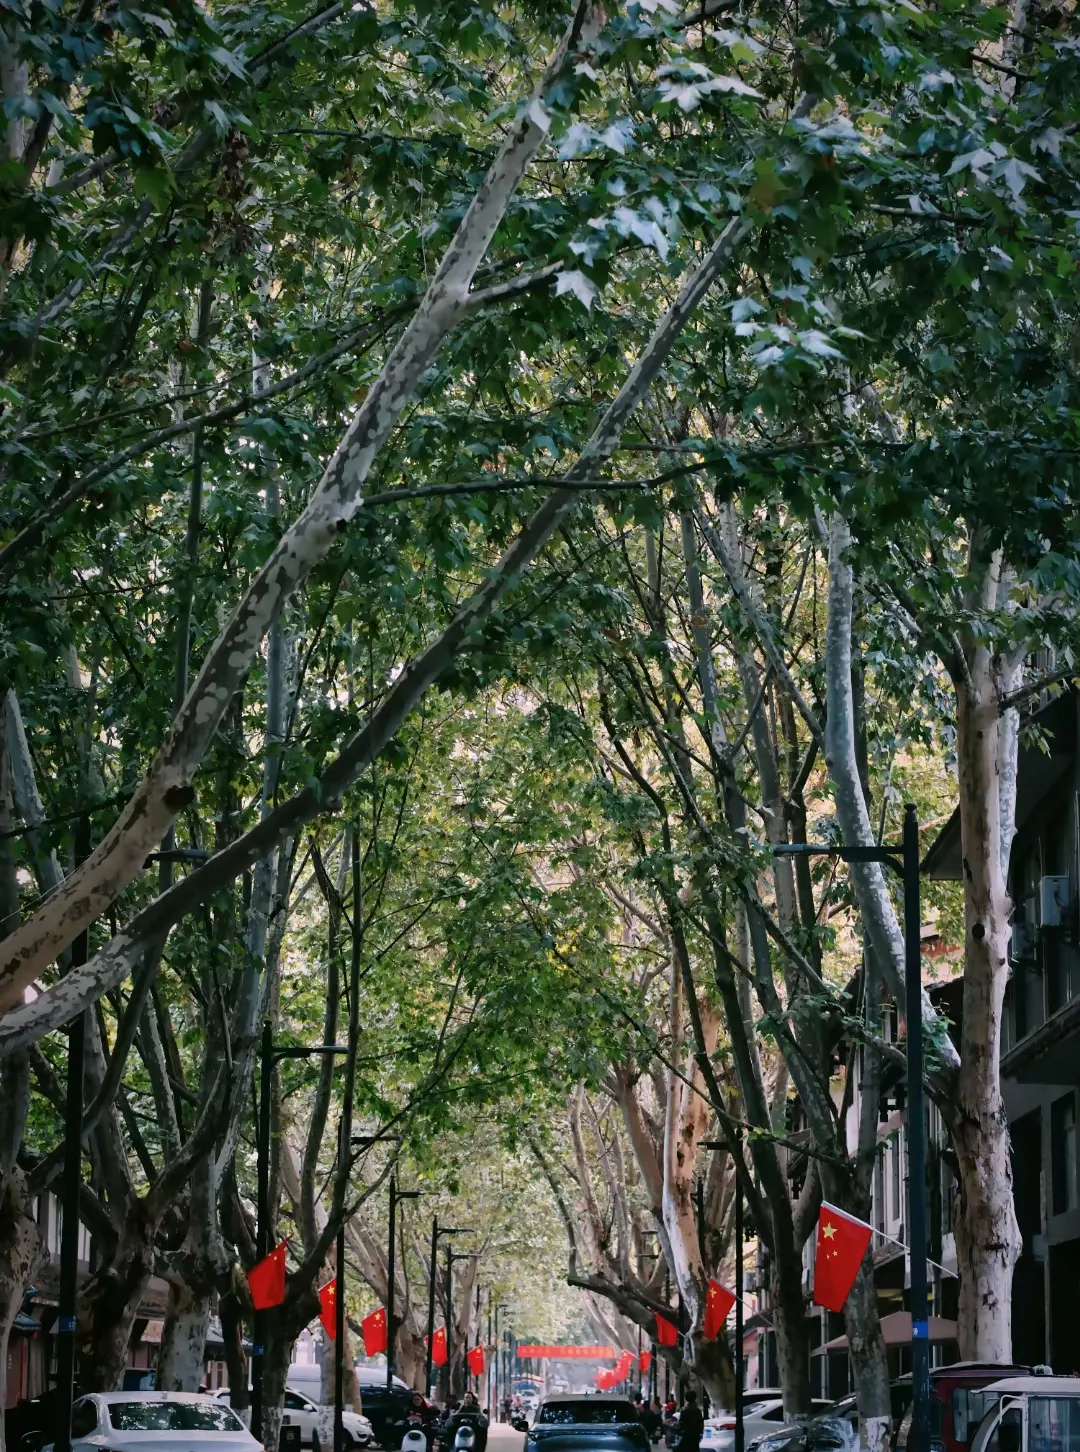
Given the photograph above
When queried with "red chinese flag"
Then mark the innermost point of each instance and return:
(438, 1347)
(666, 1333)
(374, 1328)
(476, 1360)
(718, 1302)
(841, 1245)
(328, 1308)
(267, 1280)
(644, 1361)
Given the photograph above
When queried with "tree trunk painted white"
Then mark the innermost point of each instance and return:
(869, 1363)
(120, 857)
(27, 1023)
(275, 1372)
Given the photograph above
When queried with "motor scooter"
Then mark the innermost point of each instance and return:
(414, 1437)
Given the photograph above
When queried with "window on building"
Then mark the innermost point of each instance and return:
(1063, 1152)
(896, 1174)
(879, 1190)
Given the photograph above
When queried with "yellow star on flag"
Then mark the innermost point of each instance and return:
(828, 1231)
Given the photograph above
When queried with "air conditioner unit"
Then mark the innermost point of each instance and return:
(1053, 901)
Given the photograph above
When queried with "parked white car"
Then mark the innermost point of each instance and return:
(763, 1416)
(302, 1412)
(156, 1422)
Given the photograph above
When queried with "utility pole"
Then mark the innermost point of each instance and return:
(667, 1363)
(452, 1256)
(905, 860)
(391, 1269)
(448, 1294)
(339, 1319)
(740, 1429)
(437, 1230)
(431, 1301)
(919, 1440)
(262, 1228)
(497, 1351)
(70, 1185)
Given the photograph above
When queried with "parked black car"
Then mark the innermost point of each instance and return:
(386, 1410)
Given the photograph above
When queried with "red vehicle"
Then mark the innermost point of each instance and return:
(956, 1409)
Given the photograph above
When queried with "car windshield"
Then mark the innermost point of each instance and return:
(577, 1414)
(173, 1417)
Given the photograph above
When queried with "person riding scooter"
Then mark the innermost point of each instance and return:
(419, 1422)
(469, 1415)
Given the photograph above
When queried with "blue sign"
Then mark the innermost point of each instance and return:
(920, 1331)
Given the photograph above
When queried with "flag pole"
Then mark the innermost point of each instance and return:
(944, 1269)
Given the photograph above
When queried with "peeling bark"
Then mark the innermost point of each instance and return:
(987, 1235)
(22, 1252)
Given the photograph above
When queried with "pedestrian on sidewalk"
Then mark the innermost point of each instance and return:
(691, 1424)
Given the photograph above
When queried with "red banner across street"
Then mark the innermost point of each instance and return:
(530, 1349)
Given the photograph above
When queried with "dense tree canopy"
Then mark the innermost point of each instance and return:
(475, 478)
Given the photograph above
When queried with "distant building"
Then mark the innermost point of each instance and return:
(32, 1346)
(1040, 1064)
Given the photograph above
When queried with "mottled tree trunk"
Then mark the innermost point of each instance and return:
(712, 1365)
(21, 1253)
(110, 1303)
(231, 1314)
(183, 1342)
(792, 1342)
(987, 1235)
(869, 1366)
(275, 1371)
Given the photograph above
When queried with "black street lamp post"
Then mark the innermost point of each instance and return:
(740, 1430)
(391, 1267)
(452, 1255)
(437, 1231)
(268, 1056)
(905, 860)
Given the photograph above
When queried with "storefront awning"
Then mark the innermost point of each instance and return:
(896, 1328)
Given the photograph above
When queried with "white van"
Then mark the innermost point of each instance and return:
(1030, 1414)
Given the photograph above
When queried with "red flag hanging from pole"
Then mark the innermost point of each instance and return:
(644, 1361)
(666, 1333)
(718, 1302)
(328, 1308)
(438, 1347)
(267, 1280)
(476, 1360)
(841, 1245)
(625, 1362)
(373, 1327)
